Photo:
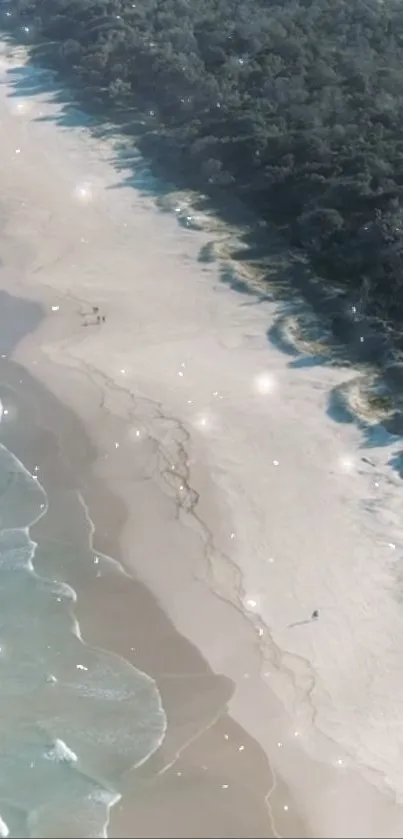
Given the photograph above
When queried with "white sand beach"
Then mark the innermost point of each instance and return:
(277, 512)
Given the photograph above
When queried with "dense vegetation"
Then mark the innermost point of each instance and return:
(297, 105)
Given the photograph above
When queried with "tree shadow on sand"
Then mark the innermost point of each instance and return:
(30, 81)
(312, 322)
(314, 326)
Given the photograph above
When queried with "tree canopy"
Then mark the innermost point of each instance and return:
(296, 105)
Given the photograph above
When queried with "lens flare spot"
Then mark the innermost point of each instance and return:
(203, 422)
(83, 193)
(264, 383)
(20, 107)
(346, 464)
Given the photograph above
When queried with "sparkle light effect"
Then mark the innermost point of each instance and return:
(203, 422)
(137, 433)
(346, 464)
(83, 193)
(20, 107)
(264, 383)
(251, 602)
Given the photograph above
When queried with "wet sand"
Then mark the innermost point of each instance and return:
(209, 778)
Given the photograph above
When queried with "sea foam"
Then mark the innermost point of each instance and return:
(61, 752)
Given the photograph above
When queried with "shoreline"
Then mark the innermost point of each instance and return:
(94, 248)
(199, 729)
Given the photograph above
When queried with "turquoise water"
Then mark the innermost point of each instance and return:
(73, 718)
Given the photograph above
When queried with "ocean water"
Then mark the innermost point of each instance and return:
(73, 718)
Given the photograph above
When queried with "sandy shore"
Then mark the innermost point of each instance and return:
(200, 781)
(265, 508)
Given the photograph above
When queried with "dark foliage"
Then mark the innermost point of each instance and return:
(297, 105)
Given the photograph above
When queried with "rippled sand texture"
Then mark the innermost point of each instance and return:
(286, 511)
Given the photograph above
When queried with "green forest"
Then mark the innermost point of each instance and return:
(297, 106)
